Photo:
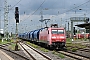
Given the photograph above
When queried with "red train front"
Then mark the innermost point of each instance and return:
(54, 37)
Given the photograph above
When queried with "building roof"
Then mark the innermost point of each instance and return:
(85, 25)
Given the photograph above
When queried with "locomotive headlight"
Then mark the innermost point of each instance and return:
(62, 37)
(53, 37)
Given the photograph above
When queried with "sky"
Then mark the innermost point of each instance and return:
(58, 11)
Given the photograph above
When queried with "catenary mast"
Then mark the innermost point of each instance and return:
(6, 20)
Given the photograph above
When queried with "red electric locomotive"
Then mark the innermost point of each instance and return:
(53, 36)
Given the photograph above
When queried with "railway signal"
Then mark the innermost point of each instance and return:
(17, 21)
(74, 30)
(16, 14)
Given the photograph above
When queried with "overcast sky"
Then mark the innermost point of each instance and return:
(58, 11)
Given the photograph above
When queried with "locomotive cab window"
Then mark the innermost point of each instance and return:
(60, 32)
(54, 31)
(57, 31)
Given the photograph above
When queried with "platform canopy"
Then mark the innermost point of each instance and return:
(85, 25)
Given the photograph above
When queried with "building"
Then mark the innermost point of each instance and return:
(1, 31)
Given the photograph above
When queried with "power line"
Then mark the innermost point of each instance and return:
(76, 6)
(15, 4)
(35, 10)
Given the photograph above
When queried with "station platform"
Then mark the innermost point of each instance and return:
(4, 56)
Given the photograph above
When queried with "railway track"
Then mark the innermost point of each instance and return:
(36, 55)
(80, 49)
(85, 50)
(4, 45)
(74, 55)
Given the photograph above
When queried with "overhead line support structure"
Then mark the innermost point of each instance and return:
(6, 34)
(77, 19)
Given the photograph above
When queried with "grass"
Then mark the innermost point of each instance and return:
(78, 45)
(4, 42)
(68, 40)
(12, 46)
(69, 48)
(58, 54)
(69, 43)
(73, 46)
(44, 50)
(35, 46)
(74, 49)
(61, 55)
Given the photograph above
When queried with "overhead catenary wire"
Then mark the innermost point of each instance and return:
(12, 6)
(34, 11)
(15, 4)
(75, 8)
(62, 13)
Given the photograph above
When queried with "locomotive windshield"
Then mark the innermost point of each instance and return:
(57, 31)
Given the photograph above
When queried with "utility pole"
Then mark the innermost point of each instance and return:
(68, 28)
(41, 18)
(61, 22)
(6, 20)
(41, 15)
(65, 27)
(0, 24)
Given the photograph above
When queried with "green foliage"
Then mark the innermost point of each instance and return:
(4, 42)
(68, 40)
(35, 46)
(12, 46)
(78, 45)
(58, 54)
(44, 50)
(53, 52)
(69, 49)
(61, 55)
(74, 46)
(74, 49)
